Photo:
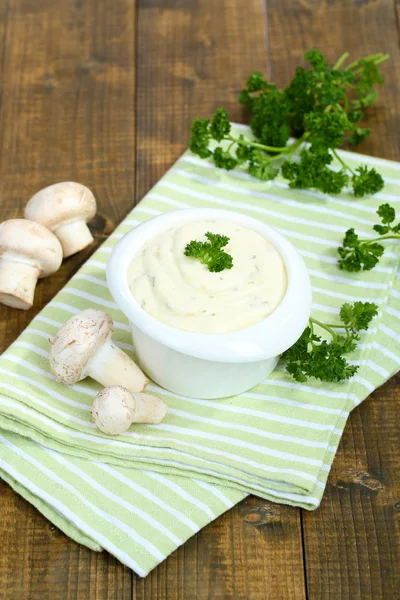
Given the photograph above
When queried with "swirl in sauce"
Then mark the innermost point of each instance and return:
(182, 292)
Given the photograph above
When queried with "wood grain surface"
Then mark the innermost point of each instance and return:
(103, 92)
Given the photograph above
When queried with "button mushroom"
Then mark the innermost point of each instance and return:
(64, 208)
(28, 251)
(115, 409)
(83, 347)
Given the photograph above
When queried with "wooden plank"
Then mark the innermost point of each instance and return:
(252, 552)
(352, 542)
(66, 113)
(193, 57)
(359, 27)
(67, 99)
(37, 561)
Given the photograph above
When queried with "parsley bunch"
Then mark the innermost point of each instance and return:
(211, 253)
(363, 255)
(312, 356)
(322, 106)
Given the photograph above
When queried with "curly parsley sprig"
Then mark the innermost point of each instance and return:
(363, 255)
(321, 106)
(211, 253)
(312, 356)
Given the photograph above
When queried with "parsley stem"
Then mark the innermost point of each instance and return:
(340, 61)
(284, 150)
(376, 62)
(341, 161)
(311, 325)
(256, 145)
(327, 328)
(382, 59)
(330, 325)
(378, 239)
(371, 58)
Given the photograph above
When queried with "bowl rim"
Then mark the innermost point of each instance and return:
(262, 340)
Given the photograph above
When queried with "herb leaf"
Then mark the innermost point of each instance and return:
(322, 105)
(312, 356)
(366, 181)
(210, 253)
(363, 255)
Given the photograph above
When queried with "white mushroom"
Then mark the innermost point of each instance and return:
(115, 409)
(28, 251)
(83, 347)
(64, 208)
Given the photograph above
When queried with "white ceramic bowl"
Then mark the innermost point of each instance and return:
(210, 365)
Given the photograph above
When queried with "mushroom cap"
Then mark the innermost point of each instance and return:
(75, 343)
(113, 410)
(28, 241)
(61, 203)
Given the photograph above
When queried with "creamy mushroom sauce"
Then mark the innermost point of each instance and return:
(182, 292)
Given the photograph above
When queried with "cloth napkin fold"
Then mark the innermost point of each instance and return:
(142, 494)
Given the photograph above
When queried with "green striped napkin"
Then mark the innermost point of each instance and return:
(142, 494)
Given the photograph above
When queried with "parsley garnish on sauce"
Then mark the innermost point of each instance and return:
(211, 253)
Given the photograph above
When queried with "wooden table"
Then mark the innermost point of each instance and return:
(103, 92)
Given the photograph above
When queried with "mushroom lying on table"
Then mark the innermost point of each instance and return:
(28, 251)
(64, 208)
(83, 347)
(115, 409)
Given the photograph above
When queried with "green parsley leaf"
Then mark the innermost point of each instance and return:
(201, 137)
(224, 159)
(363, 255)
(359, 134)
(358, 316)
(312, 172)
(366, 181)
(355, 115)
(386, 213)
(316, 59)
(312, 356)
(269, 122)
(210, 253)
(322, 105)
(220, 125)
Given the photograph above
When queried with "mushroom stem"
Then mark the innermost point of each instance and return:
(115, 409)
(74, 236)
(111, 366)
(17, 283)
(149, 409)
